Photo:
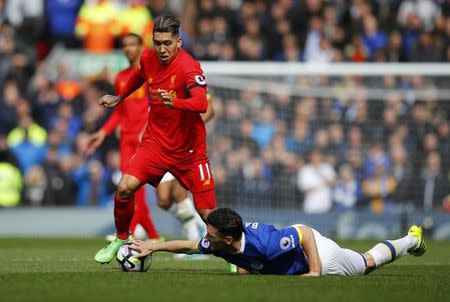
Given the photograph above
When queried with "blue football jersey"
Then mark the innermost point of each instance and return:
(266, 250)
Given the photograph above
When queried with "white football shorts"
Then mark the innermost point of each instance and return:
(336, 260)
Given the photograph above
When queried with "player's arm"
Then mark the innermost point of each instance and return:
(308, 243)
(97, 138)
(173, 246)
(209, 114)
(198, 102)
(135, 81)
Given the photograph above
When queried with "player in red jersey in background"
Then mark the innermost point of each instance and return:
(175, 137)
(131, 116)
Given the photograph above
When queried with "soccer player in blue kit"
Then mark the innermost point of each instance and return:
(257, 248)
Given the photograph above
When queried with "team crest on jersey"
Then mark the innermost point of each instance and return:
(199, 79)
(205, 243)
(284, 243)
(172, 80)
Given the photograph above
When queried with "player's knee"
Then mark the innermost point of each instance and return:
(124, 190)
(164, 203)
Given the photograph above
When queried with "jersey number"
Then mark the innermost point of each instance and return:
(204, 171)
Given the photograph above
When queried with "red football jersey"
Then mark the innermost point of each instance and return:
(132, 114)
(173, 129)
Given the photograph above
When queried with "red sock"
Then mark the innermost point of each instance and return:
(123, 213)
(142, 215)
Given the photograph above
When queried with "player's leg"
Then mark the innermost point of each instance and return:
(142, 215)
(390, 250)
(123, 214)
(163, 193)
(144, 167)
(185, 212)
(128, 146)
(197, 178)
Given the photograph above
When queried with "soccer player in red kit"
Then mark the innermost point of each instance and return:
(131, 116)
(175, 137)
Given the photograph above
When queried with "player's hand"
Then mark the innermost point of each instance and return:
(311, 274)
(95, 140)
(109, 101)
(166, 98)
(144, 248)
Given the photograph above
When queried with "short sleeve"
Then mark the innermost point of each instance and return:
(194, 75)
(204, 246)
(282, 241)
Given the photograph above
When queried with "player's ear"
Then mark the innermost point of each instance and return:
(229, 240)
(179, 42)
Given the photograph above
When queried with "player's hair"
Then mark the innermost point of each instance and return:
(167, 24)
(133, 35)
(227, 222)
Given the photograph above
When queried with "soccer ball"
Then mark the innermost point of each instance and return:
(128, 263)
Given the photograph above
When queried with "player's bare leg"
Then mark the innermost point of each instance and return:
(123, 214)
(183, 209)
(185, 204)
(390, 250)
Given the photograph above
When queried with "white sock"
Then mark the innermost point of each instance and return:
(173, 209)
(389, 250)
(186, 215)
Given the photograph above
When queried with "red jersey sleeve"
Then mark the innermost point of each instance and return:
(114, 120)
(136, 79)
(196, 84)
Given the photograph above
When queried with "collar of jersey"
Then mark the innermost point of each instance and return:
(241, 250)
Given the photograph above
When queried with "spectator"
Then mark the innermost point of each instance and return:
(27, 16)
(379, 188)
(61, 16)
(373, 39)
(97, 24)
(346, 192)
(27, 141)
(426, 10)
(137, 19)
(433, 184)
(10, 179)
(316, 180)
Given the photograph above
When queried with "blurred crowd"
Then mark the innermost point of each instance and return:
(271, 150)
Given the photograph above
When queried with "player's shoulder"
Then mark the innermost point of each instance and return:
(188, 60)
(257, 228)
(148, 54)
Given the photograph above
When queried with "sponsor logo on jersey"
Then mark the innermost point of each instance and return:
(284, 243)
(199, 79)
(207, 182)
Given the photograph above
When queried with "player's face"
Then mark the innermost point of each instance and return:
(131, 48)
(167, 46)
(217, 241)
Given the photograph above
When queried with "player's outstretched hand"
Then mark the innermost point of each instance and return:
(109, 101)
(144, 248)
(95, 140)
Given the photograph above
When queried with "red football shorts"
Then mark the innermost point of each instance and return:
(192, 170)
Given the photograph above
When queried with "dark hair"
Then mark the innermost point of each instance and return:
(133, 35)
(167, 24)
(227, 222)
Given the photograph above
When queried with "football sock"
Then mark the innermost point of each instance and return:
(389, 250)
(186, 215)
(123, 213)
(142, 215)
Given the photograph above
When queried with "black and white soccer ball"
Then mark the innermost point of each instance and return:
(129, 263)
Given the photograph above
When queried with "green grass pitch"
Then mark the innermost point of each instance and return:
(40, 269)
